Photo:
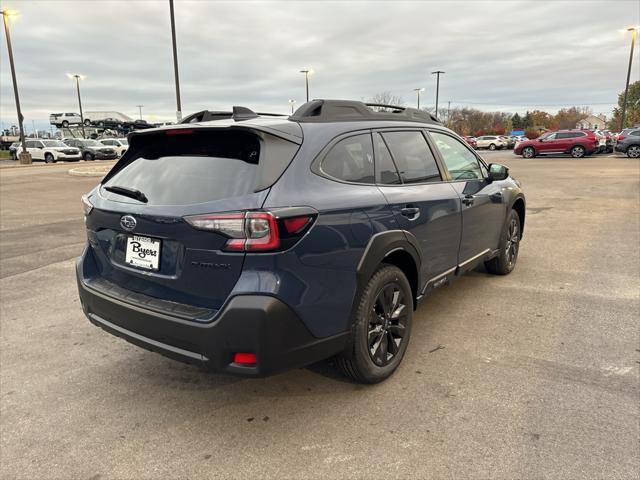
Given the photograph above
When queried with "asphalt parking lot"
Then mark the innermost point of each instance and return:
(532, 375)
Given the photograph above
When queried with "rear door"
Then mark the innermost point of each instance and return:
(148, 245)
(35, 148)
(422, 203)
(483, 207)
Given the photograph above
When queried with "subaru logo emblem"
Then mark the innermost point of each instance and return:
(128, 222)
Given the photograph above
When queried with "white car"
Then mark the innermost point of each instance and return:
(65, 119)
(52, 151)
(120, 145)
(492, 142)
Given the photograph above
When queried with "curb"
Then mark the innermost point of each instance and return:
(89, 171)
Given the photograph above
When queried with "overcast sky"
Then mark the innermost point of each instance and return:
(501, 55)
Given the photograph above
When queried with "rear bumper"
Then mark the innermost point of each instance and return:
(620, 148)
(257, 324)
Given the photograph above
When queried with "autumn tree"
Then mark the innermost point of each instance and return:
(632, 115)
(569, 117)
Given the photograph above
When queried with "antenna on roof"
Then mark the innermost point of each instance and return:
(243, 113)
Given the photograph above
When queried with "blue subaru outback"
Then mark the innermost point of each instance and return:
(250, 243)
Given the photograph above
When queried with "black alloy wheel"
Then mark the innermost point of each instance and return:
(381, 327)
(505, 261)
(387, 324)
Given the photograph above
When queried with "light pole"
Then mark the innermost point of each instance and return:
(437, 74)
(306, 80)
(292, 103)
(24, 157)
(140, 110)
(634, 33)
(77, 78)
(418, 91)
(175, 63)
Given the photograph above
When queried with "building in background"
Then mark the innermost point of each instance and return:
(592, 122)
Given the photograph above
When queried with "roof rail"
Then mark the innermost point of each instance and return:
(350, 110)
(238, 114)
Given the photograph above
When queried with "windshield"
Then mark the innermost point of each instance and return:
(53, 143)
(91, 143)
(123, 141)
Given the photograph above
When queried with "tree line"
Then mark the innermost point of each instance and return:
(471, 121)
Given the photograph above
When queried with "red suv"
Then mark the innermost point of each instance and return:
(577, 143)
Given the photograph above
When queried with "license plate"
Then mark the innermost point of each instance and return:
(143, 252)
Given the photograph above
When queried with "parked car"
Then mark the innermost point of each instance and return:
(255, 244)
(120, 145)
(471, 141)
(509, 142)
(520, 138)
(492, 142)
(92, 149)
(576, 143)
(109, 123)
(51, 151)
(94, 117)
(629, 143)
(65, 119)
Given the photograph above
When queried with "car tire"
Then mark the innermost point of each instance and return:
(65, 124)
(633, 151)
(528, 152)
(505, 262)
(49, 158)
(101, 124)
(88, 157)
(492, 146)
(87, 122)
(578, 151)
(383, 316)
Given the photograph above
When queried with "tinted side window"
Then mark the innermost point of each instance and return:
(413, 157)
(386, 172)
(31, 144)
(564, 135)
(636, 133)
(351, 160)
(461, 163)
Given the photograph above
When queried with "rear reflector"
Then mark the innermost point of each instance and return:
(296, 224)
(245, 358)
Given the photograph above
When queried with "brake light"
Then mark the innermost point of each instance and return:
(179, 131)
(253, 231)
(620, 137)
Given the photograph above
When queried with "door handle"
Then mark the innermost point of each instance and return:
(410, 212)
(468, 200)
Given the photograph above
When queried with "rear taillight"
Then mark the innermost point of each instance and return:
(253, 231)
(620, 137)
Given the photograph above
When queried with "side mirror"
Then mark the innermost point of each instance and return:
(497, 172)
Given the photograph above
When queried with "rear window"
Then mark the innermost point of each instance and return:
(202, 167)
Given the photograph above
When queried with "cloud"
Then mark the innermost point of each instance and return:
(511, 54)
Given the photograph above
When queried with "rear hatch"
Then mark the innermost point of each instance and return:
(141, 241)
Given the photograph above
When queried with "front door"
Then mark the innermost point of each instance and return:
(483, 206)
(423, 205)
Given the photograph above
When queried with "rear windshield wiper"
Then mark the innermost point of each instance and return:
(128, 192)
